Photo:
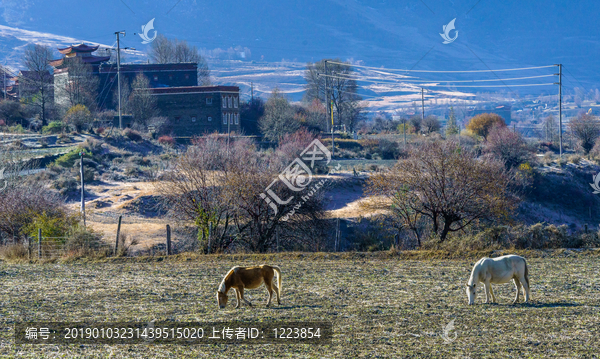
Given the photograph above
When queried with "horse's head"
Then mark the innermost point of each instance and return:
(222, 299)
(471, 293)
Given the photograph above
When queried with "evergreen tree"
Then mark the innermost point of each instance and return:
(452, 126)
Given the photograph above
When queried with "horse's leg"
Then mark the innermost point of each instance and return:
(525, 288)
(241, 291)
(237, 298)
(487, 286)
(270, 291)
(276, 292)
(492, 292)
(518, 286)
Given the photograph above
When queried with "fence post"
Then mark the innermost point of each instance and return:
(39, 243)
(168, 240)
(29, 240)
(210, 229)
(118, 234)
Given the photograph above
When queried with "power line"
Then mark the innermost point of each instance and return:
(447, 72)
(364, 79)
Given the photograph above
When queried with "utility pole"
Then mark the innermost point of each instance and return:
(422, 105)
(119, 75)
(4, 80)
(327, 105)
(82, 186)
(560, 132)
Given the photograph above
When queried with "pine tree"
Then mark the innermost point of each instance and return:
(451, 126)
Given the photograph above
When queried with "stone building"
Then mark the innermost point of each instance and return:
(197, 110)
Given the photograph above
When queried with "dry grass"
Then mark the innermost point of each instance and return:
(381, 305)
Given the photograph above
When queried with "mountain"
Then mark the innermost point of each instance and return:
(268, 42)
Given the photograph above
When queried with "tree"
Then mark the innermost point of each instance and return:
(278, 119)
(550, 128)
(483, 123)
(452, 126)
(79, 85)
(586, 129)
(12, 113)
(141, 103)
(446, 185)
(36, 86)
(430, 124)
(508, 146)
(164, 51)
(78, 117)
(416, 122)
(251, 111)
(342, 90)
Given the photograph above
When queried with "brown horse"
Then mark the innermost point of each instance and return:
(239, 278)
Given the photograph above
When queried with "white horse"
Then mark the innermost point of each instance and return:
(499, 270)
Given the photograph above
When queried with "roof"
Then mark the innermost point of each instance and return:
(192, 89)
(78, 48)
(191, 66)
(86, 59)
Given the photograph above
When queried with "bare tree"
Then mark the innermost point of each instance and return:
(78, 86)
(164, 51)
(141, 103)
(36, 83)
(586, 129)
(430, 124)
(342, 90)
(508, 146)
(445, 184)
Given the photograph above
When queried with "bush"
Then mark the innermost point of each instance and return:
(100, 130)
(166, 140)
(575, 159)
(508, 146)
(133, 135)
(13, 252)
(68, 160)
(78, 117)
(482, 124)
(56, 225)
(54, 127)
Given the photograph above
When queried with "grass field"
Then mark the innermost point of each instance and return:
(381, 306)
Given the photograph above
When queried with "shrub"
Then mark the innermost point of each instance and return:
(100, 130)
(132, 135)
(56, 225)
(482, 124)
(166, 140)
(13, 252)
(78, 117)
(54, 127)
(68, 160)
(575, 159)
(507, 146)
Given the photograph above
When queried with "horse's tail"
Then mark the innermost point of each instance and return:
(278, 270)
(526, 274)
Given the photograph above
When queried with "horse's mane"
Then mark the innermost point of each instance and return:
(222, 286)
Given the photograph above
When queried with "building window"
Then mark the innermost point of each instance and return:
(237, 118)
(231, 119)
(224, 118)
(155, 77)
(193, 118)
(209, 118)
(224, 102)
(229, 101)
(209, 100)
(235, 102)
